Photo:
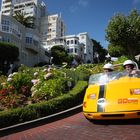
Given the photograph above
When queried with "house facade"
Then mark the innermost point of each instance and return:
(28, 40)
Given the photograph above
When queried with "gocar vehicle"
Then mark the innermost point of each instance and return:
(116, 98)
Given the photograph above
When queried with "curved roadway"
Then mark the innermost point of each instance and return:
(76, 127)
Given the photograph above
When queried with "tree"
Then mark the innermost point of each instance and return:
(26, 21)
(60, 55)
(124, 31)
(116, 51)
(98, 49)
(8, 53)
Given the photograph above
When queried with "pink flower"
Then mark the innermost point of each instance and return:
(35, 81)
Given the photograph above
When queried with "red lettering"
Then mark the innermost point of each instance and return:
(128, 101)
(125, 100)
(119, 101)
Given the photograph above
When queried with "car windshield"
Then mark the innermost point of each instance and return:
(103, 78)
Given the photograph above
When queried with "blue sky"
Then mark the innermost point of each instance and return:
(90, 16)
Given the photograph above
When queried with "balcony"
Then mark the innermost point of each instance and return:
(32, 48)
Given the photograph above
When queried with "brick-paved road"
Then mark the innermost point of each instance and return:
(77, 127)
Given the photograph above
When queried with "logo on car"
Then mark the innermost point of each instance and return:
(128, 101)
(101, 101)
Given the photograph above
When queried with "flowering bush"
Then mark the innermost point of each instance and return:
(32, 85)
(49, 89)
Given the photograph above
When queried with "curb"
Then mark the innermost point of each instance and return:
(40, 121)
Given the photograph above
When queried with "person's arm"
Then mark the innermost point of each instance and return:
(136, 73)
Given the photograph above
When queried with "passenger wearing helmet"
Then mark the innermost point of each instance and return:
(105, 77)
(130, 68)
(108, 67)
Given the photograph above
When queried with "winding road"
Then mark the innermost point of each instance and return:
(76, 127)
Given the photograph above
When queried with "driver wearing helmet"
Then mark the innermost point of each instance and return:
(105, 77)
(130, 68)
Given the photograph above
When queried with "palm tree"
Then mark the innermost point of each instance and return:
(26, 21)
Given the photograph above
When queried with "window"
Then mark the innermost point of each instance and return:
(53, 18)
(49, 30)
(71, 41)
(5, 39)
(76, 42)
(5, 28)
(71, 50)
(28, 40)
(75, 50)
(68, 42)
(5, 22)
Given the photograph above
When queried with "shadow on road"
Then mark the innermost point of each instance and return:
(117, 122)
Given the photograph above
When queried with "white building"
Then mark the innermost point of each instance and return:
(28, 40)
(74, 47)
(88, 52)
(56, 30)
(80, 45)
(7, 7)
(33, 8)
(49, 31)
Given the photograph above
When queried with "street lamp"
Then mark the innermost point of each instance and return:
(97, 56)
(51, 58)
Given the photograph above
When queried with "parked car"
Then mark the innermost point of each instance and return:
(116, 98)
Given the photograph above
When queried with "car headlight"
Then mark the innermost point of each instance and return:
(91, 96)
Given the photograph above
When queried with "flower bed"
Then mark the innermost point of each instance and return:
(34, 111)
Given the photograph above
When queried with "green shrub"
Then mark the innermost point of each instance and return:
(21, 79)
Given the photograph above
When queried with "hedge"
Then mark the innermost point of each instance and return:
(8, 51)
(38, 110)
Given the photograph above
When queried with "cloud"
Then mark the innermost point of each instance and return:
(73, 9)
(83, 3)
(77, 6)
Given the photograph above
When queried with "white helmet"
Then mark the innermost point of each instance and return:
(108, 66)
(128, 62)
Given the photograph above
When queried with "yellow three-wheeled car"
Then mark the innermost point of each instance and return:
(116, 98)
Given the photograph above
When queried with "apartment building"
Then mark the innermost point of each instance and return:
(28, 40)
(80, 45)
(7, 7)
(49, 31)
(74, 47)
(88, 51)
(33, 8)
(56, 31)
